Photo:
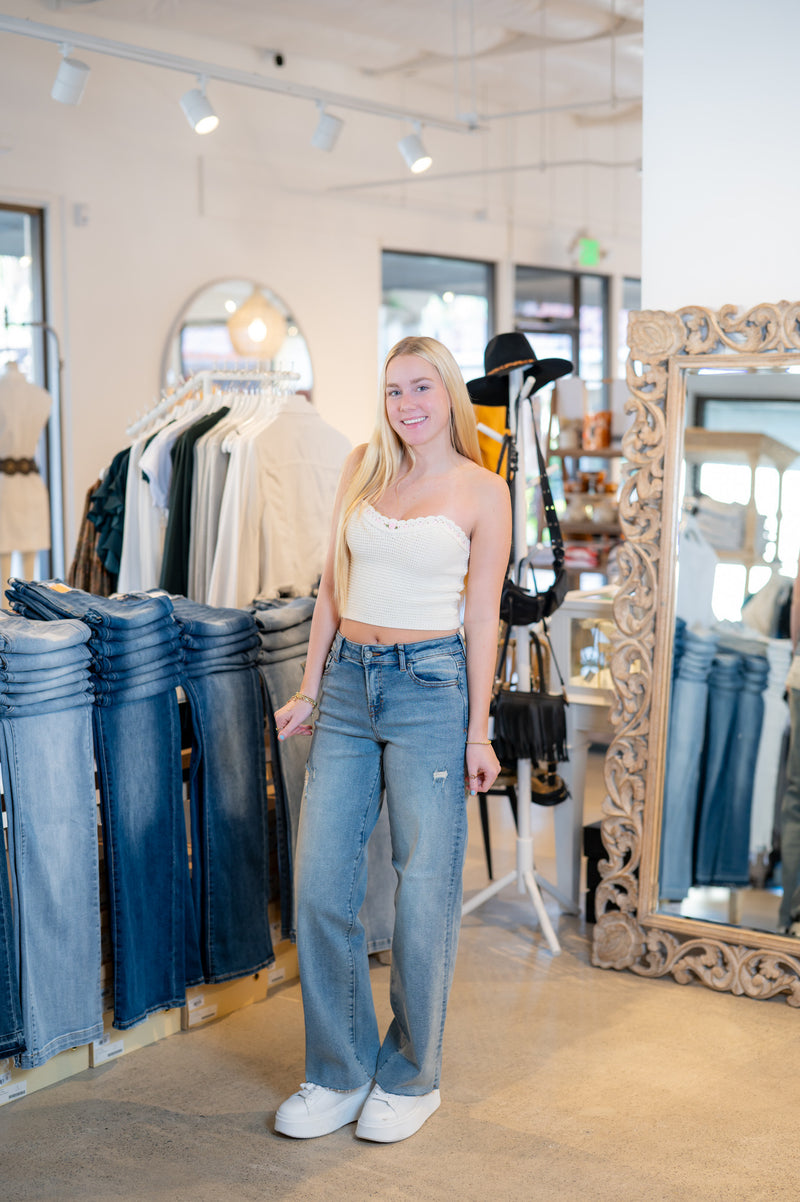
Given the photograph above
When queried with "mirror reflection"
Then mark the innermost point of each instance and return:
(730, 835)
(233, 324)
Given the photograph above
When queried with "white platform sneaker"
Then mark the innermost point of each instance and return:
(389, 1117)
(315, 1110)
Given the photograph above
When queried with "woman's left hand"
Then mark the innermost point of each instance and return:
(482, 767)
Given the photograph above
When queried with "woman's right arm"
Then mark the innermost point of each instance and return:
(292, 718)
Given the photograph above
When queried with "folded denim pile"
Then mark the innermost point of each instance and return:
(50, 956)
(134, 643)
(283, 627)
(43, 668)
(212, 639)
(135, 671)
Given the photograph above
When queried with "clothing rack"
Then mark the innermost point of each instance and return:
(204, 382)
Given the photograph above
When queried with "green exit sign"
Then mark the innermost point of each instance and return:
(588, 252)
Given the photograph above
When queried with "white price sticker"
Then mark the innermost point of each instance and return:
(10, 1093)
(197, 1016)
(276, 975)
(104, 1050)
(194, 1003)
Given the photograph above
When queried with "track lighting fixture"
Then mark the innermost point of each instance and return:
(70, 82)
(416, 156)
(198, 110)
(328, 129)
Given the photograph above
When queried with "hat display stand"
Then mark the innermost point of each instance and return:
(524, 873)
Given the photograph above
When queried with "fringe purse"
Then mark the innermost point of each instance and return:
(533, 726)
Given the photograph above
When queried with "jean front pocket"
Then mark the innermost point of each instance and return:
(434, 671)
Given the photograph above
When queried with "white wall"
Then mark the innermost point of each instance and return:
(721, 172)
(169, 211)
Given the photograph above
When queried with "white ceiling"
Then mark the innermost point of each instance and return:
(515, 46)
(501, 62)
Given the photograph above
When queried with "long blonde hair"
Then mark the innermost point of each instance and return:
(385, 452)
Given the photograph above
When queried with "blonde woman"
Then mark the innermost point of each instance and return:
(419, 549)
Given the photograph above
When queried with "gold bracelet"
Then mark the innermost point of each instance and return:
(479, 742)
(302, 697)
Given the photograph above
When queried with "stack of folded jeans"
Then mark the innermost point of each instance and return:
(135, 665)
(228, 788)
(284, 626)
(50, 994)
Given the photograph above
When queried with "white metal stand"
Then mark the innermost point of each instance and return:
(524, 874)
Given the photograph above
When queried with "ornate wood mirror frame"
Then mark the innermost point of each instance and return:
(630, 933)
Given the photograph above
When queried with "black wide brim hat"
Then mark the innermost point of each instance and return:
(506, 353)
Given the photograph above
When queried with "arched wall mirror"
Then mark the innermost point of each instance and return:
(235, 324)
(696, 771)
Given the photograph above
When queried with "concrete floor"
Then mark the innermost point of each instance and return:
(561, 1082)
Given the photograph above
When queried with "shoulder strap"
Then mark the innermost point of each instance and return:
(550, 515)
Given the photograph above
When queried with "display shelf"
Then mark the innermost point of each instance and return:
(609, 529)
(580, 453)
(749, 449)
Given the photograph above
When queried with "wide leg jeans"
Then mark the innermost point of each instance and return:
(393, 716)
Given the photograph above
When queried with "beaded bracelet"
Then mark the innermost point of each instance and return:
(303, 697)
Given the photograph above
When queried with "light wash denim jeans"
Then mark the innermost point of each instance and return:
(52, 834)
(790, 821)
(395, 715)
(12, 1036)
(685, 740)
(284, 625)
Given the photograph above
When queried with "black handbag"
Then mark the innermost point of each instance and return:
(532, 726)
(519, 607)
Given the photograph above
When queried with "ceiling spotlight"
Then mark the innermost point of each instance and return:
(69, 83)
(198, 110)
(328, 129)
(416, 156)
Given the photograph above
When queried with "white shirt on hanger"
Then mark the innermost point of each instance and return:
(277, 506)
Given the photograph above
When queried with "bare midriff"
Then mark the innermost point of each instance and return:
(387, 636)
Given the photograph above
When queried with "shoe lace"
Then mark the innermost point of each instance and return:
(307, 1088)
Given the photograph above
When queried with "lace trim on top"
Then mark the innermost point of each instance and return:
(380, 519)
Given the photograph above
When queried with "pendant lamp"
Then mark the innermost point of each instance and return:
(257, 329)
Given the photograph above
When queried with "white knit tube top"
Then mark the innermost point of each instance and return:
(406, 572)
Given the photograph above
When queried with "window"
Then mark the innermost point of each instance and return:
(565, 314)
(448, 299)
(26, 342)
(631, 300)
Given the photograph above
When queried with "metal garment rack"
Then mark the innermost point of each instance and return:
(524, 874)
(202, 384)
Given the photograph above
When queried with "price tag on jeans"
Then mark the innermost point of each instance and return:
(10, 1093)
(202, 1015)
(104, 1050)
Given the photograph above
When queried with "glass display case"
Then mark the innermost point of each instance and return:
(580, 632)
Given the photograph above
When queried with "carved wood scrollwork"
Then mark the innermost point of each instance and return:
(626, 935)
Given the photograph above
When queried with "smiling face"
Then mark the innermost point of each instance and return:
(417, 402)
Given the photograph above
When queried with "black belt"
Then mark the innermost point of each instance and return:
(18, 467)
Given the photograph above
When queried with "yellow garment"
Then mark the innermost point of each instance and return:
(493, 416)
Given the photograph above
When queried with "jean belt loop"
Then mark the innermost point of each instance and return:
(336, 648)
(401, 657)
